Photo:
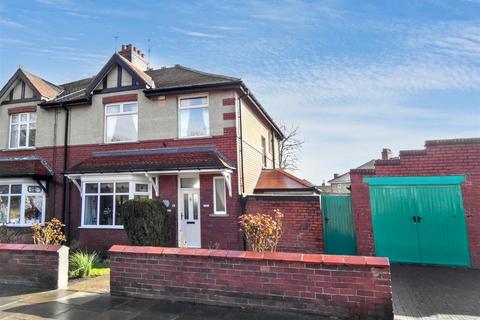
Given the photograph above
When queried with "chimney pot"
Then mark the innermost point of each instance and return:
(335, 175)
(123, 47)
(386, 154)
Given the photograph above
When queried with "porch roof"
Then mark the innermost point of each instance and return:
(148, 160)
(35, 168)
(278, 180)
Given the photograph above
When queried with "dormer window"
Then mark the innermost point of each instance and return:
(23, 129)
(193, 117)
(121, 122)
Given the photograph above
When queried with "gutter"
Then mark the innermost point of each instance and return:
(74, 102)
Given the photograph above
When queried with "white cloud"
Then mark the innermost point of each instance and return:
(10, 24)
(197, 34)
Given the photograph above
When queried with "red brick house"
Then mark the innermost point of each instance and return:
(77, 151)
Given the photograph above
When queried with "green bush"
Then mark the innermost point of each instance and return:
(146, 222)
(81, 264)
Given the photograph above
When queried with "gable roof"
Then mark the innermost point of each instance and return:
(345, 178)
(41, 87)
(280, 180)
(117, 59)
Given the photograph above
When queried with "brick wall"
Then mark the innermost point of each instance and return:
(440, 157)
(302, 221)
(340, 286)
(36, 266)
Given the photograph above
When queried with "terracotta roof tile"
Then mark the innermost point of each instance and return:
(24, 167)
(162, 159)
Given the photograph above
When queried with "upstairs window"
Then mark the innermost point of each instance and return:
(264, 152)
(121, 122)
(193, 117)
(23, 129)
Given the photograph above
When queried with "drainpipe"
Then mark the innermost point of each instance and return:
(272, 143)
(241, 137)
(65, 164)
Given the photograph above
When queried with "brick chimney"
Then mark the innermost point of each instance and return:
(135, 56)
(386, 154)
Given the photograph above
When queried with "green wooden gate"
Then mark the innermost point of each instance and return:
(338, 224)
(419, 219)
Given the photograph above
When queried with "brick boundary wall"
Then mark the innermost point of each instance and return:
(302, 221)
(344, 287)
(37, 266)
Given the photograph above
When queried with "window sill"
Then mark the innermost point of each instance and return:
(119, 142)
(218, 215)
(20, 149)
(102, 227)
(21, 225)
(195, 137)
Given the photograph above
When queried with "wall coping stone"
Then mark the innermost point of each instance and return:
(29, 247)
(325, 259)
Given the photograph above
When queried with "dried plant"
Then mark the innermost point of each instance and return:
(51, 233)
(262, 231)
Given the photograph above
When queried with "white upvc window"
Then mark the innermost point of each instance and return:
(23, 129)
(219, 196)
(121, 122)
(102, 200)
(22, 203)
(193, 116)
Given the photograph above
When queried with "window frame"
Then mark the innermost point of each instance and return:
(25, 183)
(215, 211)
(132, 182)
(263, 146)
(203, 106)
(105, 117)
(27, 136)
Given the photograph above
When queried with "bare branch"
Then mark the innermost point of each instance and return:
(290, 147)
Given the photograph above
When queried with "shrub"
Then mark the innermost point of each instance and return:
(51, 233)
(81, 264)
(262, 231)
(146, 222)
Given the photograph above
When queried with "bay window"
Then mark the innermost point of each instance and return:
(121, 122)
(22, 203)
(23, 129)
(193, 117)
(103, 201)
(219, 196)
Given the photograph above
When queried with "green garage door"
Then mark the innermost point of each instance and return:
(419, 219)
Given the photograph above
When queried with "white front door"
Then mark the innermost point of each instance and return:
(189, 217)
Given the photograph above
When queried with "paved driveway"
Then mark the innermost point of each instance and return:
(435, 293)
(90, 300)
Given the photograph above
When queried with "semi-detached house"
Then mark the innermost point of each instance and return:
(77, 151)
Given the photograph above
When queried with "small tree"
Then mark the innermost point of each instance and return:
(290, 146)
(51, 233)
(146, 222)
(262, 231)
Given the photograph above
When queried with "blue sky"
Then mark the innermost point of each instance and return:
(356, 76)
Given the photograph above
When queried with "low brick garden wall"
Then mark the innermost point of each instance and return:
(38, 266)
(340, 286)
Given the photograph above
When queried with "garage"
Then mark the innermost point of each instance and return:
(419, 219)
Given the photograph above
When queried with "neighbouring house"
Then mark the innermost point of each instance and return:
(341, 182)
(77, 151)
